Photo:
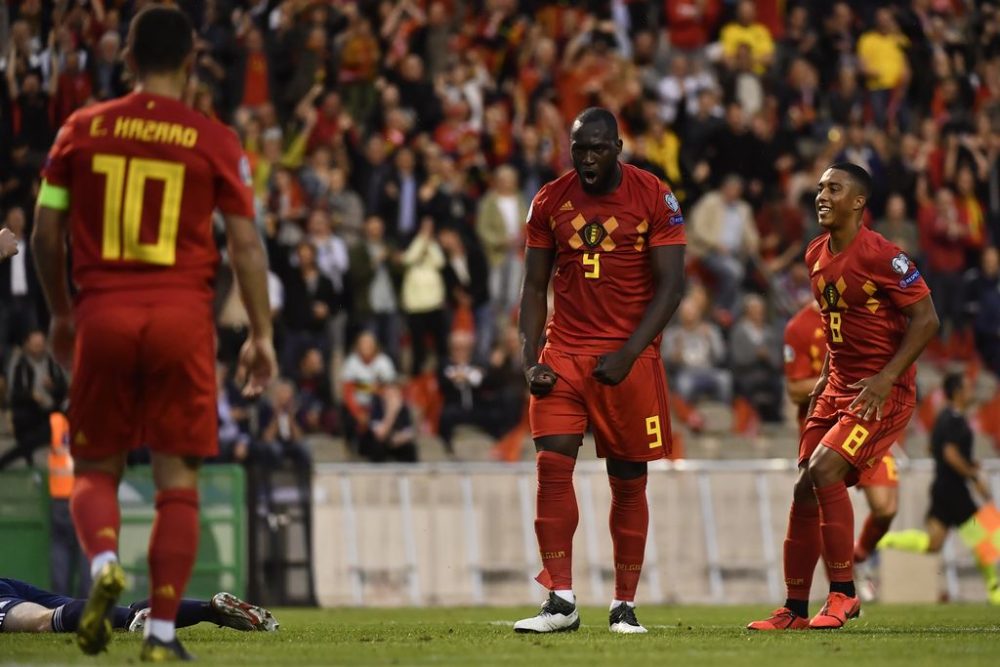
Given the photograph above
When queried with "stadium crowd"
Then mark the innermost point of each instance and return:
(395, 147)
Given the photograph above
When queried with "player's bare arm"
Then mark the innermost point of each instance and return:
(257, 358)
(667, 263)
(48, 245)
(923, 325)
(8, 244)
(531, 324)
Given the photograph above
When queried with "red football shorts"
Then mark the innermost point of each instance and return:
(143, 374)
(883, 473)
(865, 445)
(630, 421)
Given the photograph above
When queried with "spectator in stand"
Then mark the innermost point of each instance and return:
(462, 383)
(944, 239)
(682, 86)
(377, 421)
(107, 71)
(898, 227)
(747, 31)
(466, 279)
(312, 381)
(500, 225)
(310, 299)
(423, 298)
(399, 202)
(374, 274)
(755, 360)
(693, 351)
(691, 23)
(982, 303)
(971, 209)
(724, 238)
(882, 55)
(345, 206)
(235, 442)
(19, 289)
(38, 388)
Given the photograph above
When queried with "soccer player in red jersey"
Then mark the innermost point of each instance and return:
(805, 350)
(877, 316)
(134, 183)
(615, 236)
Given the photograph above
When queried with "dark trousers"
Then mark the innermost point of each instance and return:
(431, 326)
(65, 555)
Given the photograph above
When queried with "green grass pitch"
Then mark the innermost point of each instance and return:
(964, 635)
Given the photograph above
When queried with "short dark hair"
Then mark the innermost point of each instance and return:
(160, 38)
(952, 384)
(598, 115)
(862, 179)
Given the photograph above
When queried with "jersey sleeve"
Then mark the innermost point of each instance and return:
(666, 223)
(539, 233)
(56, 170)
(798, 360)
(233, 178)
(895, 274)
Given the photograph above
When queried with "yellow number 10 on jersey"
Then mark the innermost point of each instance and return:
(123, 219)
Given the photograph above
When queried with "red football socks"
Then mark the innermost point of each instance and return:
(873, 531)
(173, 546)
(837, 526)
(803, 544)
(94, 507)
(556, 517)
(629, 522)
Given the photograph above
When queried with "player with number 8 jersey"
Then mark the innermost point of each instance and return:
(614, 235)
(134, 183)
(877, 318)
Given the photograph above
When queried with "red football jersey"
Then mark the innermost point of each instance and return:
(862, 291)
(805, 349)
(603, 280)
(144, 175)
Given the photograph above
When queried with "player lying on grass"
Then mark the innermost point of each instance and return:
(26, 608)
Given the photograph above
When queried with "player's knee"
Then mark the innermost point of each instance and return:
(885, 511)
(803, 491)
(825, 467)
(626, 469)
(567, 445)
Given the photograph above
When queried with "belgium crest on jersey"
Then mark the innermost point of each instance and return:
(593, 233)
(831, 295)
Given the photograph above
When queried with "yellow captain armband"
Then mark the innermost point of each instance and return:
(53, 196)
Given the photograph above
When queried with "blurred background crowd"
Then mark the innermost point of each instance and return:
(396, 146)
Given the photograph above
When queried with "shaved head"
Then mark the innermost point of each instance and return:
(597, 115)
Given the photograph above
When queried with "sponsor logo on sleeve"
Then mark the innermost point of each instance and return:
(676, 219)
(901, 264)
(671, 201)
(245, 174)
(910, 279)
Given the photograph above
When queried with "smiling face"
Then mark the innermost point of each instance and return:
(595, 148)
(838, 200)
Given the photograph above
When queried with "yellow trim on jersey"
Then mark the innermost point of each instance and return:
(53, 196)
